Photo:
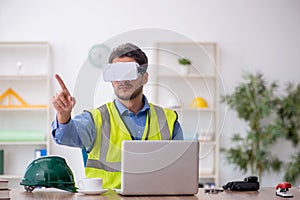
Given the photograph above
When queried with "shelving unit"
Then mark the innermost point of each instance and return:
(176, 90)
(25, 110)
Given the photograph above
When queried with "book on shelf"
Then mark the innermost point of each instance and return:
(4, 190)
(3, 184)
(39, 153)
(4, 194)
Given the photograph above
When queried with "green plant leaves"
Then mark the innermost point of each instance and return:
(184, 61)
(269, 118)
(293, 169)
(289, 113)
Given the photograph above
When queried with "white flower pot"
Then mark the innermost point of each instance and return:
(185, 69)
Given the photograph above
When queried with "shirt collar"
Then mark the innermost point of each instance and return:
(125, 111)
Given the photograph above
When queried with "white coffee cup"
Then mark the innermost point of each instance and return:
(90, 184)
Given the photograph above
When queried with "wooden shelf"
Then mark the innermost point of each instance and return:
(11, 176)
(24, 109)
(188, 76)
(209, 142)
(13, 77)
(195, 109)
(23, 143)
(25, 91)
(206, 175)
(179, 88)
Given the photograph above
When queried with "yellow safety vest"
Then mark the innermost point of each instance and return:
(104, 160)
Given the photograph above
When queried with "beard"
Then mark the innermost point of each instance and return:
(134, 95)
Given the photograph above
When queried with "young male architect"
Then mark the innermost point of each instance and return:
(129, 117)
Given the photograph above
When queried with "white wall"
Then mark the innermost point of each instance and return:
(256, 35)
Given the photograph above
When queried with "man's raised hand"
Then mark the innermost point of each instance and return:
(63, 102)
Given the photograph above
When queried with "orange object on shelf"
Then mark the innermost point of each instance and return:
(10, 94)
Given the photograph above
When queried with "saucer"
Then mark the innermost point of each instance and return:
(92, 192)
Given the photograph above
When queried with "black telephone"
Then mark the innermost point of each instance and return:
(249, 184)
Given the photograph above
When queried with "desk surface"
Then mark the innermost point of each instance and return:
(45, 194)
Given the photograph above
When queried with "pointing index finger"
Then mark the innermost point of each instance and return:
(61, 83)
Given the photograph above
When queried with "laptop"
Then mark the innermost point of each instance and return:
(164, 167)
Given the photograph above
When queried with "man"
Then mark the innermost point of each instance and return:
(130, 116)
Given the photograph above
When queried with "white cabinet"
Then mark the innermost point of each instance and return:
(24, 104)
(177, 90)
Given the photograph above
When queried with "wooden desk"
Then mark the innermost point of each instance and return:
(53, 194)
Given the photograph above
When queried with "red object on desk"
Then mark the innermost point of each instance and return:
(283, 185)
(282, 190)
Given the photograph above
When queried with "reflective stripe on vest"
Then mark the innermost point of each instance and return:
(101, 162)
(98, 157)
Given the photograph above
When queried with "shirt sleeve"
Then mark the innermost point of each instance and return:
(78, 132)
(177, 132)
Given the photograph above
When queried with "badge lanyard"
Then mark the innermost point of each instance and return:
(148, 124)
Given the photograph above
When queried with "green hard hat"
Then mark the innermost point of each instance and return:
(48, 171)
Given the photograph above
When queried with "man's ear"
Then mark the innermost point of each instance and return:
(145, 78)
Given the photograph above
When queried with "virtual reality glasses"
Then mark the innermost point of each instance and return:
(121, 71)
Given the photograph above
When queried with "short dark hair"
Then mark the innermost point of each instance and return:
(132, 51)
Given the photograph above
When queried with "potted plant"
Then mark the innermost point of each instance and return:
(269, 117)
(254, 102)
(185, 65)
